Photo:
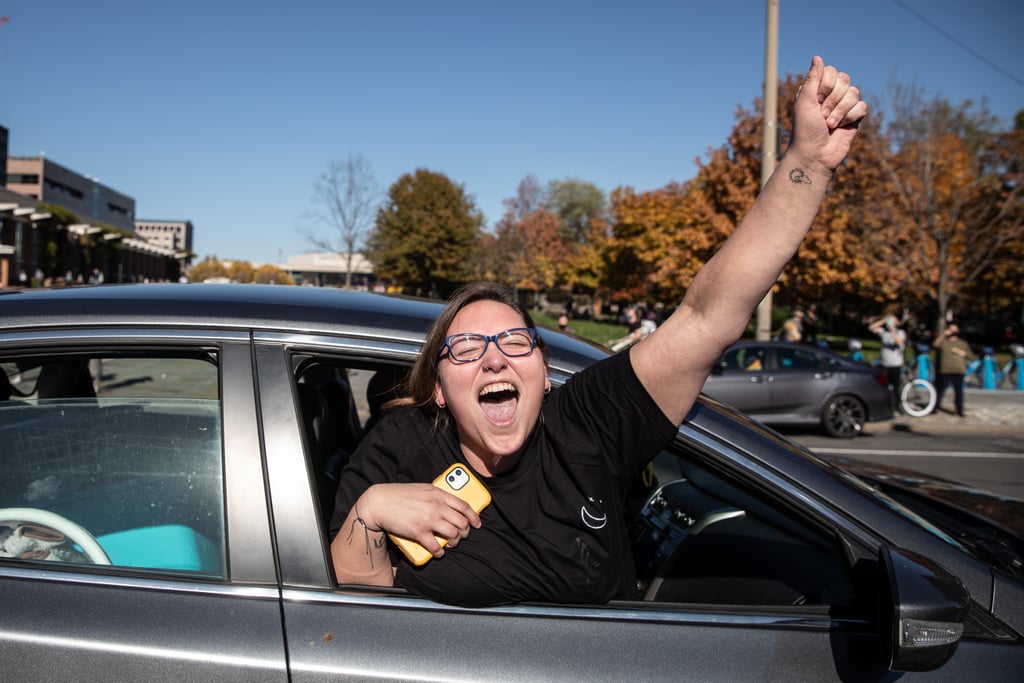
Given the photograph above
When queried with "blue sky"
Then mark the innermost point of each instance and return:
(226, 113)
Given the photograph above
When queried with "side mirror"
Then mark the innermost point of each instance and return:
(923, 611)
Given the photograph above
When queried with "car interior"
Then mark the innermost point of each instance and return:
(700, 539)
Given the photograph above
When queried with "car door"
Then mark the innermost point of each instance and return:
(742, 378)
(800, 381)
(134, 525)
(351, 632)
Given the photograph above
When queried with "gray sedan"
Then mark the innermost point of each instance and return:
(780, 383)
(170, 454)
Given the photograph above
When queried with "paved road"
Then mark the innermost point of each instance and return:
(985, 449)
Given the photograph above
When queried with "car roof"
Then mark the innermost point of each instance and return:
(780, 344)
(279, 308)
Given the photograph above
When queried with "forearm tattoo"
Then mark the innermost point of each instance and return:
(798, 176)
(378, 542)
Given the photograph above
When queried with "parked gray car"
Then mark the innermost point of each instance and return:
(780, 383)
(169, 457)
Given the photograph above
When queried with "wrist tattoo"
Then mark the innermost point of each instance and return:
(798, 176)
(377, 542)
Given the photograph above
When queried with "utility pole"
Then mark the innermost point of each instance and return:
(770, 141)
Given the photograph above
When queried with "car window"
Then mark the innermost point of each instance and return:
(796, 359)
(698, 537)
(744, 358)
(339, 400)
(113, 459)
(701, 538)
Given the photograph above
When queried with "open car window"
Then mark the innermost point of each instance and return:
(698, 537)
(113, 459)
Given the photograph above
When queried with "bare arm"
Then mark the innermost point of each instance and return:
(417, 511)
(675, 360)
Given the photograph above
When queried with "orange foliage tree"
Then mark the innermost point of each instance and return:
(548, 240)
(536, 251)
(660, 239)
(954, 220)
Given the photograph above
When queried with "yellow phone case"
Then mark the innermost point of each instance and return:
(459, 481)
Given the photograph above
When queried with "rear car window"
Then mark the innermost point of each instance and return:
(112, 459)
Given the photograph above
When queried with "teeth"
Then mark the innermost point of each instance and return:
(495, 388)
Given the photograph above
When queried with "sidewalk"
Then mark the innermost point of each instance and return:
(996, 411)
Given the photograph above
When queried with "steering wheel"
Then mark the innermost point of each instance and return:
(73, 532)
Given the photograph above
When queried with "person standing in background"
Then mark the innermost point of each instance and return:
(953, 354)
(894, 349)
(793, 328)
(811, 325)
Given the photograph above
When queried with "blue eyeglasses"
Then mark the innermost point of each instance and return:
(468, 347)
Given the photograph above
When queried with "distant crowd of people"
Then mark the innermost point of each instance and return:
(952, 352)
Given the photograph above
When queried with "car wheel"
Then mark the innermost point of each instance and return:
(844, 417)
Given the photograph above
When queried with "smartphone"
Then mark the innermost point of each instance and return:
(459, 481)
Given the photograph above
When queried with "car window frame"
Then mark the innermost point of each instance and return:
(248, 550)
(280, 350)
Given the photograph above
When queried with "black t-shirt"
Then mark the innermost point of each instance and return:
(555, 530)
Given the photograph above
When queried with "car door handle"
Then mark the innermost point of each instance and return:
(760, 379)
(822, 375)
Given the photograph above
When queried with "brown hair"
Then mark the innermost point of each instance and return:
(426, 371)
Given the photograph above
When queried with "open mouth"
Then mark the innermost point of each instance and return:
(498, 402)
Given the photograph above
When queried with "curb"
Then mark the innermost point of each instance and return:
(924, 425)
(990, 412)
(982, 420)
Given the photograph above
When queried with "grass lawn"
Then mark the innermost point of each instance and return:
(597, 332)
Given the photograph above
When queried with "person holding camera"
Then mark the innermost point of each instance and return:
(894, 349)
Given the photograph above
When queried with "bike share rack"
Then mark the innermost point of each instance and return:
(924, 363)
(1018, 364)
(991, 374)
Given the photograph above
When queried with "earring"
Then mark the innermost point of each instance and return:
(440, 404)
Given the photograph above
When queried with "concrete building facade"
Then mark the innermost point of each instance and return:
(173, 235)
(50, 183)
(102, 246)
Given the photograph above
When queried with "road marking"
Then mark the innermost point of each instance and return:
(917, 454)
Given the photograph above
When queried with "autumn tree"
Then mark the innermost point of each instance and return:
(209, 267)
(504, 251)
(425, 233)
(582, 211)
(269, 274)
(241, 271)
(487, 261)
(348, 196)
(955, 212)
(1002, 287)
(534, 251)
(545, 241)
(577, 204)
(660, 239)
